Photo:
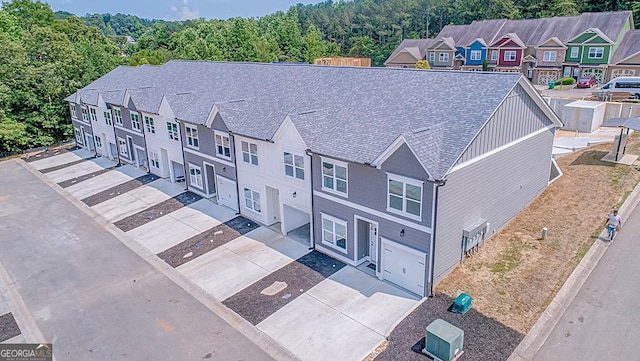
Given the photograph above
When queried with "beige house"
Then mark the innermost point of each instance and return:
(626, 59)
(408, 53)
(441, 54)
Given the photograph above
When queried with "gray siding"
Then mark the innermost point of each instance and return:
(78, 113)
(138, 138)
(206, 140)
(222, 170)
(496, 188)
(515, 118)
(126, 119)
(386, 228)
(367, 186)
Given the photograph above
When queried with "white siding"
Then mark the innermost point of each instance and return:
(159, 141)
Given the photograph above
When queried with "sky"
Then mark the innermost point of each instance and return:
(177, 9)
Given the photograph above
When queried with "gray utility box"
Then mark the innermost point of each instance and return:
(444, 340)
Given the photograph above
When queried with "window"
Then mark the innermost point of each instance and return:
(574, 51)
(192, 136)
(85, 114)
(155, 161)
(494, 55)
(195, 175)
(509, 55)
(252, 200)
(432, 57)
(73, 111)
(107, 118)
(172, 129)
(98, 142)
(549, 56)
(117, 115)
(404, 196)
(135, 121)
(94, 117)
(334, 233)
(596, 53)
(476, 55)
(223, 148)
(293, 165)
(148, 123)
(334, 177)
(78, 136)
(443, 57)
(122, 147)
(250, 153)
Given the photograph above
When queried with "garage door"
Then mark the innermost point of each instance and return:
(227, 193)
(403, 266)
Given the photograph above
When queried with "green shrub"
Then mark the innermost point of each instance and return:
(566, 81)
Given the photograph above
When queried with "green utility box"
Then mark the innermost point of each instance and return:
(461, 304)
(552, 84)
(444, 340)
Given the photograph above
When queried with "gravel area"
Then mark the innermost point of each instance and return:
(113, 192)
(76, 180)
(63, 166)
(156, 211)
(8, 327)
(306, 272)
(42, 155)
(484, 338)
(207, 241)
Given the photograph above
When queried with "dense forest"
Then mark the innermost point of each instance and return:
(47, 56)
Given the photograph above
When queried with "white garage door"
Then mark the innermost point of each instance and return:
(403, 266)
(227, 193)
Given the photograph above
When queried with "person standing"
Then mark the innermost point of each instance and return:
(615, 222)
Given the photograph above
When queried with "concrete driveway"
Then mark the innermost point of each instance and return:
(315, 306)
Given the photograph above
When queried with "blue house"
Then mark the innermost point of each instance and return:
(475, 55)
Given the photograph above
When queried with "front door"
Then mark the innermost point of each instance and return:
(130, 148)
(373, 243)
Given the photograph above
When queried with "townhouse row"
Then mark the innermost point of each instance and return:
(602, 45)
(389, 169)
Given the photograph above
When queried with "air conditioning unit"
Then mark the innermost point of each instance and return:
(444, 341)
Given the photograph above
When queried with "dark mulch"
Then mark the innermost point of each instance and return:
(119, 189)
(63, 166)
(8, 327)
(158, 210)
(306, 272)
(76, 180)
(484, 338)
(43, 155)
(207, 241)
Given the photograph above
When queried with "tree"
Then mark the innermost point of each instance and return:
(423, 64)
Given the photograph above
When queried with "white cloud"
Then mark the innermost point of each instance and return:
(187, 14)
(174, 9)
(184, 2)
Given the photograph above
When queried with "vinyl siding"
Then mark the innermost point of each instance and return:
(222, 170)
(515, 118)
(496, 188)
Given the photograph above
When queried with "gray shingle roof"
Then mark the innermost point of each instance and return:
(629, 46)
(420, 44)
(344, 112)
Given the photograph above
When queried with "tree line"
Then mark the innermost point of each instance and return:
(47, 56)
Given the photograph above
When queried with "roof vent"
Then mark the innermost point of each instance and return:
(307, 112)
(184, 93)
(420, 130)
(236, 101)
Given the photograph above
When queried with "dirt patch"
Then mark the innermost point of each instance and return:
(515, 275)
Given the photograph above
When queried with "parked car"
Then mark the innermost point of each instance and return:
(586, 82)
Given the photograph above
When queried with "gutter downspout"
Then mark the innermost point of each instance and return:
(143, 124)
(434, 217)
(311, 228)
(115, 136)
(232, 139)
(184, 165)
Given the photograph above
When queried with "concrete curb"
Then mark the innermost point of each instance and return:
(258, 337)
(528, 348)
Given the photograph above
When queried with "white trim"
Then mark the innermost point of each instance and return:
(392, 149)
(571, 56)
(373, 212)
(137, 114)
(133, 132)
(193, 139)
(206, 178)
(553, 161)
(212, 115)
(248, 152)
(405, 181)
(252, 209)
(293, 166)
(335, 220)
(499, 149)
(432, 259)
(355, 241)
(339, 163)
(207, 156)
(625, 59)
(408, 249)
(198, 168)
(215, 140)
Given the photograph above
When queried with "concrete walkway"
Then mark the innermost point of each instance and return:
(342, 316)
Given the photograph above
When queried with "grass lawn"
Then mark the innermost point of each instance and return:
(515, 275)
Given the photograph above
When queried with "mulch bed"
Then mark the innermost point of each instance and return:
(8, 327)
(484, 338)
(301, 275)
(63, 166)
(51, 153)
(156, 211)
(207, 241)
(119, 189)
(76, 180)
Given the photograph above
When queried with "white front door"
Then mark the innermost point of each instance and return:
(373, 243)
